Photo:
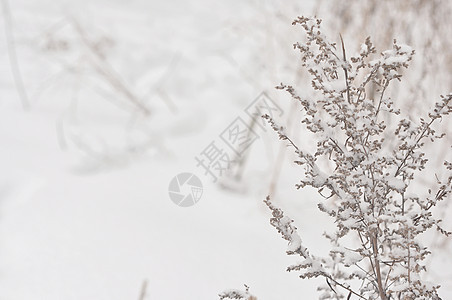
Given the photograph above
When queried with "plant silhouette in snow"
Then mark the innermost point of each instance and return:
(366, 180)
(237, 294)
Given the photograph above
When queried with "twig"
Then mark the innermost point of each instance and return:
(343, 286)
(144, 286)
(242, 159)
(411, 149)
(107, 72)
(157, 87)
(345, 70)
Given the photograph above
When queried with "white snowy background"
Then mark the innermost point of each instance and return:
(84, 205)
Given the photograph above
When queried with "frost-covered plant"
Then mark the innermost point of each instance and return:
(367, 181)
(237, 294)
(422, 25)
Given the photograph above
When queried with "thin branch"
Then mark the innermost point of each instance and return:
(345, 70)
(381, 290)
(344, 286)
(144, 286)
(411, 150)
(107, 72)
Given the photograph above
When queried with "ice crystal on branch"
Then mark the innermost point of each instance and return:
(367, 176)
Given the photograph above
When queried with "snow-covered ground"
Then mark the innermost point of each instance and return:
(84, 206)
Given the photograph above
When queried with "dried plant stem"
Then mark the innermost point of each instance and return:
(410, 152)
(144, 286)
(282, 153)
(277, 170)
(242, 159)
(12, 54)
(345, 69)
(381, 289)
(158, 86)
(345, 287)
(107, 72)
